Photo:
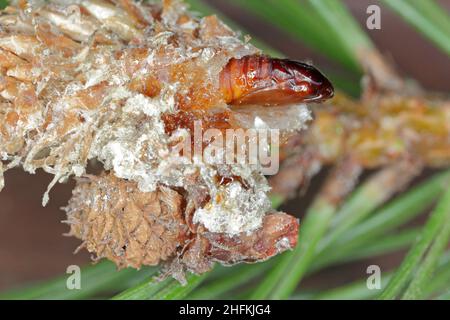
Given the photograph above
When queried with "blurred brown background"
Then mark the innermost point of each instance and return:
(31, 243)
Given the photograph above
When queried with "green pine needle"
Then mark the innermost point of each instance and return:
(175, 291)
(424, 273)
(396, 213)
(325, 25)
(358, 290)
(95, 279)
(439, 217)
(356, 231)
(284, 277)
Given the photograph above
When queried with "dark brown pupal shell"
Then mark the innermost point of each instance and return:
(257, 79)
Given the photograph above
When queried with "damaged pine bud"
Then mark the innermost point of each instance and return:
(123, 83)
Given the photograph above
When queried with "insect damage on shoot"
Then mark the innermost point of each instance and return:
(122, 83)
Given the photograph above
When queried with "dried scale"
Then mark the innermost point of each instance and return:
(395, 126)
